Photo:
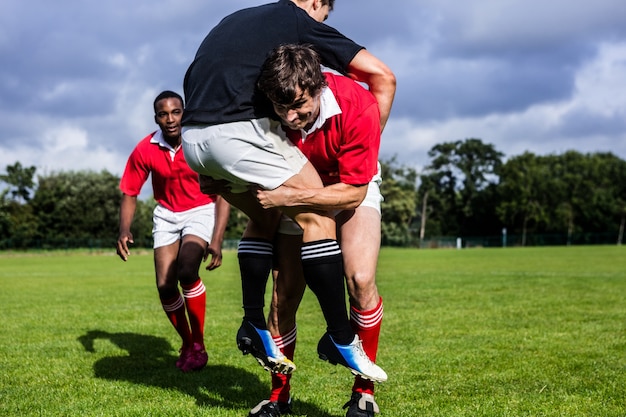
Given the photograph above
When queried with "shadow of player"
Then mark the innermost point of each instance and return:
(150, 362)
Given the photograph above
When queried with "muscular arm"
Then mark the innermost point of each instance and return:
(368, 69)
(338, 196)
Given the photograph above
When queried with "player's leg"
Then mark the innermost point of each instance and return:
(323, 272)
(322, 266)
(197, 230)
(289, 284)
(288, 290)
(321, 257)
(190, 257)
(360, 241)
(170, 296)
(249, 152)
(256, 251)
(255, 254)
(166, 236)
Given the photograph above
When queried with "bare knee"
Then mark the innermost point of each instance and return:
(167, 288)
(362, 290)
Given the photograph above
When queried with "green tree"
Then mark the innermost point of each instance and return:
(583, 184)
(5, 217)
(603, 208)
(20, 180)
(523, 190)
(438, 195)
(18, 225)
(619, 204)
(573, 194)
(570, 184)
(400, 200)
(79, 208)
(462, 176)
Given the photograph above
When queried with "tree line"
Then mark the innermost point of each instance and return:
(466, 190)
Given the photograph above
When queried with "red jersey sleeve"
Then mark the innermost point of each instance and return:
(136, 172)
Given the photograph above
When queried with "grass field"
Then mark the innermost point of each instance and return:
(478, 332)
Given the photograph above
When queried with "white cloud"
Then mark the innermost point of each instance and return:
(58, 140)
(600, 95)
(63, 148)
(601, 84)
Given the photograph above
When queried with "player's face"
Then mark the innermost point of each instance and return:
(301, 113)
(169, 113)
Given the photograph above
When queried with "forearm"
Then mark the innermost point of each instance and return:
(384, 93)
(127, 212)
(334, 197)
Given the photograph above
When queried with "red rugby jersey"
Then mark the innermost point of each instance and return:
(174, 184)
(345, 149)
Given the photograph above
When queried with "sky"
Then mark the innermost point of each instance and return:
(78, 77)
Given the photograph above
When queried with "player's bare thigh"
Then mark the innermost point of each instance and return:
(165, 258)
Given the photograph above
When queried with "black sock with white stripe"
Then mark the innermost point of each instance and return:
(255, 264)
(322, 264)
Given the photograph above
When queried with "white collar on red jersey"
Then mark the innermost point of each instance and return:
(158, 139)
(328, 108)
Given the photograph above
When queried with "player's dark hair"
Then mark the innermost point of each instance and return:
(289, 68)
(330, 3)
(167, 94)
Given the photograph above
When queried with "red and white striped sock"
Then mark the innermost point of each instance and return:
(195, 299)
(367, 325)
(281, 386)
(175, 310)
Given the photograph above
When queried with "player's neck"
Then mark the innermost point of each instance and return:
(173, 142)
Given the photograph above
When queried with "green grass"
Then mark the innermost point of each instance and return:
(480, 332)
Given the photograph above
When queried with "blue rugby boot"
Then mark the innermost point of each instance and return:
(351, 356)
(260, 344)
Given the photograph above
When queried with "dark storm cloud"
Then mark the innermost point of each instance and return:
(461, 88)
(480, 58)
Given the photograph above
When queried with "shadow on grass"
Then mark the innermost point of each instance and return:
(149, 362)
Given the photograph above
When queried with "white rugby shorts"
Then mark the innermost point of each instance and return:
(243, 153)
(169, 226)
